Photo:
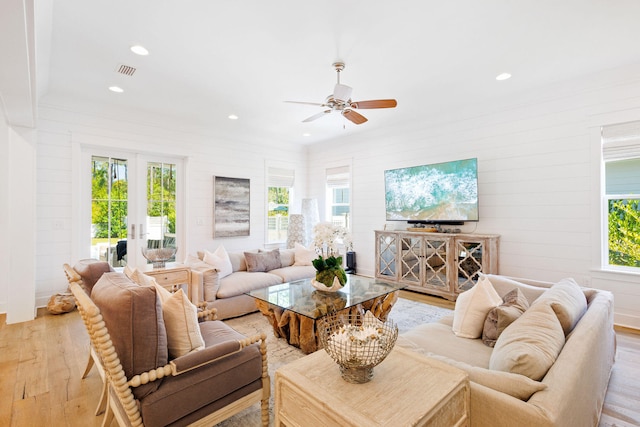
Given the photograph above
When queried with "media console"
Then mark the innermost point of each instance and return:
(443, 264)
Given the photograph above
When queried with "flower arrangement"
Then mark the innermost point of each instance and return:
(327, 237)
(328, 265)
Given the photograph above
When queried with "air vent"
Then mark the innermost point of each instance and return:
(125, 69)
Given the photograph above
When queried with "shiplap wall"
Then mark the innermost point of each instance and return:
(4, 205)
(538, 178)
(206, 155)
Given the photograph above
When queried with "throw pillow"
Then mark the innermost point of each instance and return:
(220, 261)
(263, 261)
(530, 345)
(303, 256)
(472, 307)
(181, 321)
(142, 279)
(513, 305)
(568, 302)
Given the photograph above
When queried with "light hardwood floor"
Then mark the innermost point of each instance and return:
(41, 363)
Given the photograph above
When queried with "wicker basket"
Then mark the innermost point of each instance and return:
(357, 343)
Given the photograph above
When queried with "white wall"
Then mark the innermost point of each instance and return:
(539, 175)
(4, 208)
(61, 130)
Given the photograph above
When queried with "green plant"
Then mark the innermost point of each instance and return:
(328, 268)
(624, 232)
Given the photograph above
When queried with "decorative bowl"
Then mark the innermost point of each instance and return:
(357, 343)
(159, 256)
(335, 287)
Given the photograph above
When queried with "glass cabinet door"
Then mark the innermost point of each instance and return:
(435, 263)
(469, 262)
(410, 257)
(386, 246)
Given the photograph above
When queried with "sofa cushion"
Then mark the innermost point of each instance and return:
(515, 385)
(263, 261)
(90, 270)
(133, 316)
(287, 257)
(530, 345)
(294, 272)
(472, 307)
(213, 385)
(513, 305)
(303, 255)
(238, 262)
(437, 338)
(568, 302)
(503, 285)
(181, 321)
(241, 282)
(219, 260)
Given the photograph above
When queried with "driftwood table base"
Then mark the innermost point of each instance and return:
(301, 331)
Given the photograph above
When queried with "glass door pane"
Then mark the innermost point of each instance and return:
(161, 211)
(109, 209)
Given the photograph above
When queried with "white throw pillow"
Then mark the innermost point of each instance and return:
(220, 261)
(181, 321)
(303, 255)
(472, 307)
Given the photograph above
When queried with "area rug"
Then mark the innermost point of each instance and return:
(405, 313)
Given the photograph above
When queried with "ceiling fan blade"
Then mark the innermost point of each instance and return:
(376, 103)
(356, 118)
(317, 104)
(342, 92)
(316, 116)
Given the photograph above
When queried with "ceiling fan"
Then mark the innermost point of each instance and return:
(340, 101)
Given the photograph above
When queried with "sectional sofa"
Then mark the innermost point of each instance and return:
(224, 287)
(549, 367)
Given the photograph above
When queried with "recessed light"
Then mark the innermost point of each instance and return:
(116, 89)
(233, 117)
(306, 134)
(503, 76)
(139, 50)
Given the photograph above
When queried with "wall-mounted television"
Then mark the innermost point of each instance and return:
(439, 193)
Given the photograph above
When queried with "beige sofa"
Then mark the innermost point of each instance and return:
(570, 393)
(227, 294)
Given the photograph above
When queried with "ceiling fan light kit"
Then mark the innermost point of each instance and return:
(341, 101)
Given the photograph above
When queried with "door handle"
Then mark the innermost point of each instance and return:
(133, 232)
(141, 232)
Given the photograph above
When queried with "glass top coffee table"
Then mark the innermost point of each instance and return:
(293, 308)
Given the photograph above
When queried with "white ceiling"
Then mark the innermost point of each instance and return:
(212, 58)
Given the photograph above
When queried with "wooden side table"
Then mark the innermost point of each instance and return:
(407, 389)
(171, 276)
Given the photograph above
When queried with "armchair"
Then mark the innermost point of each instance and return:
(145, 387)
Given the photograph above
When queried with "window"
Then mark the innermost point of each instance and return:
(279, 197)
(339, 196)
(621, 154)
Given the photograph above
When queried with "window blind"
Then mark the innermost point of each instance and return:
(621, 141)
(280, 177)
(338, 177)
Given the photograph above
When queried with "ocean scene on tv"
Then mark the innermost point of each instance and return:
(439, 192)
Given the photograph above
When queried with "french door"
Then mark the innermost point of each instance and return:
(132, 202)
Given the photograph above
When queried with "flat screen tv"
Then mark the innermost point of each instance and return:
(440, 193)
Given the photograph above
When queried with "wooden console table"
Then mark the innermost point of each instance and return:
(408, 389)
(171, 276)
(443, 264)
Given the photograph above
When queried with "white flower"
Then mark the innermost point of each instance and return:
(327, 237)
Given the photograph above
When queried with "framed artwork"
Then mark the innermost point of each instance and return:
(231, 215)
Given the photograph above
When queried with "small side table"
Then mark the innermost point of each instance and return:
(407, 389)
(171, 276)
